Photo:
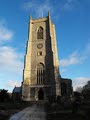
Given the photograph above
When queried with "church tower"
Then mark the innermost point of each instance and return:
(41, 78)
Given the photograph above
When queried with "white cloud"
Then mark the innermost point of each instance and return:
(10, 60)
(71, 60)
(38, 8)
(11, 67)
(79, 82)
(5, 33)
(76, 57)
(13, 83)
(43, 8)
(69, 4)
(10, 84)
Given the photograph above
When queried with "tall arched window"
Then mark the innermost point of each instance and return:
(40, 73)
(40, 33)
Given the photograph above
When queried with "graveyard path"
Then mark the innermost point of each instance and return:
(34, 112)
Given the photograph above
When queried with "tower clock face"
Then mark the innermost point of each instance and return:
(40, 45)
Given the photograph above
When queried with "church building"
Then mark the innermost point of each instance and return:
(41, 77)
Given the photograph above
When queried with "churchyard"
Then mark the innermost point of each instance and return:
(55, 111)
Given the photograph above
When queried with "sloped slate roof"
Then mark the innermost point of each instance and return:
(17, 89)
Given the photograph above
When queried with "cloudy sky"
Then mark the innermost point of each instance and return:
(72, 22)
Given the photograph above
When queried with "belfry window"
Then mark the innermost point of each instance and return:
(40, 33)
(40, 73)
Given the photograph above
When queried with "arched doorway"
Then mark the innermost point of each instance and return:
(40, 94)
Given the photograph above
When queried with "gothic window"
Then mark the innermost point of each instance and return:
(40, 73)
(40, 33)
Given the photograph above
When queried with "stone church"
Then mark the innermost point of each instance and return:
(41, 78)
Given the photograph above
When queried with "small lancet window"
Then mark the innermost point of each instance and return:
(40, 33)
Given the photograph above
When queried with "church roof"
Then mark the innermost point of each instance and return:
(17, 89)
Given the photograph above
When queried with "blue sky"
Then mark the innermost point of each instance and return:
(71, 19)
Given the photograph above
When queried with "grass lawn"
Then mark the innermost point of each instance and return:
(58, 112)
(9, 108)
(54, 111)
